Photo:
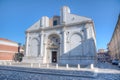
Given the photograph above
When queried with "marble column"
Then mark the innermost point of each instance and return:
(41, 45)
(60, 44)
(64, 42)
(44, 49)
(27, 44)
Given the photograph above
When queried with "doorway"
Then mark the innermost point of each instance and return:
(54, 56)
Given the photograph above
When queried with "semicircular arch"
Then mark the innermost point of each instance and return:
(76, 44)
(34, 48)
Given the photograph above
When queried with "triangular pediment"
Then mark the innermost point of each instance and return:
(72, 18)
(35, 26)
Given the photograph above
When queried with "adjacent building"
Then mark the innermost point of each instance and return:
(114, 44)
(7, 49)
(64, 39)
(103, 55)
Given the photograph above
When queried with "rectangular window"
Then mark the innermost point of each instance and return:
(54, 22)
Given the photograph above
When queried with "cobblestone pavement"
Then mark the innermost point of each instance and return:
(106, 71)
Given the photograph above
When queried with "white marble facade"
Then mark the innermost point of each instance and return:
(64, 39)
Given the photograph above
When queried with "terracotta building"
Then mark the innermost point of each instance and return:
(7, 49)
(114, 44)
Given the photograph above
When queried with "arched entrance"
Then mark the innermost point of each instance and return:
(53, 48)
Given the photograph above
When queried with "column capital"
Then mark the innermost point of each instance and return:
(27, 33)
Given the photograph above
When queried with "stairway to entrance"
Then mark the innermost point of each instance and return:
(32, 59)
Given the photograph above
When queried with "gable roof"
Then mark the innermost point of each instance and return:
(35, 26)
(3, 39)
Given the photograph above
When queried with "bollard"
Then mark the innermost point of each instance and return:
(67, 66)
(56, 66)
(92, 66)
(10, 63)
(5, 63)
(0, 63)
(31, 65)
(39, 65)
(78, 66)
(47, 65)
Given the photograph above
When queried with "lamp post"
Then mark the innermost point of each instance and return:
(18, 56)
(19, 47)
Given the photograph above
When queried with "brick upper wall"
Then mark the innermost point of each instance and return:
(8, 48)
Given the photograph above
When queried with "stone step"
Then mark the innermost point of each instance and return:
(32, 59)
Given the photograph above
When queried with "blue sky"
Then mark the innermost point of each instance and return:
(18, 15)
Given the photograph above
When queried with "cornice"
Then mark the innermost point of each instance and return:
(59, 26)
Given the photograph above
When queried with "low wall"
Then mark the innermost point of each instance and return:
(52, 74)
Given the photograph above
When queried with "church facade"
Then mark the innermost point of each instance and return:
(64, 39)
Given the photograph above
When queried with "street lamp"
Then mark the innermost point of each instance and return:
(19, 47)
